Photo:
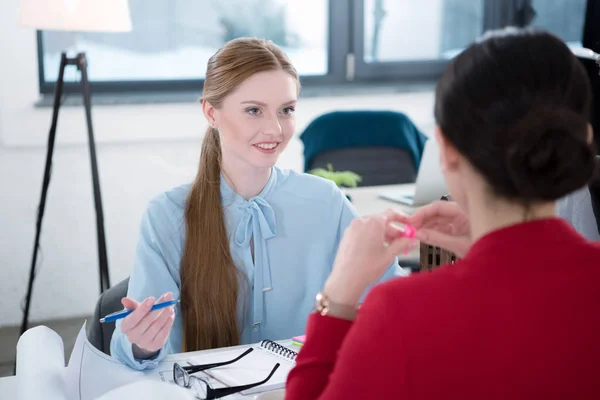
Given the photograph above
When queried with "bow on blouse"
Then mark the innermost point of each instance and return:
(259, 223)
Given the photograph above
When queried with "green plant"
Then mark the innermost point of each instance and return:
(340, 178)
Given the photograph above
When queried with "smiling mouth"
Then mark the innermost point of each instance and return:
(266, 146)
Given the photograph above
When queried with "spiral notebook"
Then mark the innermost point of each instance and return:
(254, 367)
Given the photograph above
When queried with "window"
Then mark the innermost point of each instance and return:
(408, 30)
(329, 41)
(564, 18)
(172, 40)
(413, 39)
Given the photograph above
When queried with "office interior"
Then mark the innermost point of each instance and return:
(148, 124)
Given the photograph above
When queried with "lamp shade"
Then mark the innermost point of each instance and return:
(76, 15)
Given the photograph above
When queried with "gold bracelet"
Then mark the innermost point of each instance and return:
(325, 306)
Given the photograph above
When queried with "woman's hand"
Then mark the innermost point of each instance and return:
(365, 252)
(442, 224)
(147, 330)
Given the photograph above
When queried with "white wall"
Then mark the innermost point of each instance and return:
(142, 150)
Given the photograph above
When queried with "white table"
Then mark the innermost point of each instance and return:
(8, 387)
(366, 199)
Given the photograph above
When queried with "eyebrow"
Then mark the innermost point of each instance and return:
(260, 103)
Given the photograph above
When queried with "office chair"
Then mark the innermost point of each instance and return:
(384, 147)
(99, 335)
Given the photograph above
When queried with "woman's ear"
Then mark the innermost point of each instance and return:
(590, 134)
(449, 157)
(209, 113)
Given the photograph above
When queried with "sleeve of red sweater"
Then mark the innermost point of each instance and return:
(345, 360)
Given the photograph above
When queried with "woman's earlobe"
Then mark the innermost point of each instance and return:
(590, 134)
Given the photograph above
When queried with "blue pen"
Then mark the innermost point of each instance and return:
(122, 314)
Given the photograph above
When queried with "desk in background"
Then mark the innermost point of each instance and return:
(367, 202)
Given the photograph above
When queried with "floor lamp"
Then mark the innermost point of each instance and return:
(73, 16)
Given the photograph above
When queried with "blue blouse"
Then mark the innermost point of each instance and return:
(295, 223)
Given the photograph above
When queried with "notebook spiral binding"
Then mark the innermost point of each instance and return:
(278, 349)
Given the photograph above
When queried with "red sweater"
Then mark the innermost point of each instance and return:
(517, 318)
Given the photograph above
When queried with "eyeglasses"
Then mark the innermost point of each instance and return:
(182, 377)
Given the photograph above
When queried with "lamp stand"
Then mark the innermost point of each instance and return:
(80, 62)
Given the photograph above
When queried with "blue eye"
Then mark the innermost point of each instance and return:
(252, 110)
(289, 110)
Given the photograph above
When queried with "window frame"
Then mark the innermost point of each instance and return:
(345, 56)
(337, 33)
(421, 70)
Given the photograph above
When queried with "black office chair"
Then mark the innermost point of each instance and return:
(383, 147)
(99, 335)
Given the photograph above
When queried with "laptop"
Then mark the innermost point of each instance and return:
(430, 184)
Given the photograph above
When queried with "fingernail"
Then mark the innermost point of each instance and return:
(149, 301)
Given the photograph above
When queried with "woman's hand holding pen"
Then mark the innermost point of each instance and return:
(147, 331)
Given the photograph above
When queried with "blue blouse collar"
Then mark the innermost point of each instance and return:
(257, 221)
(231, 197)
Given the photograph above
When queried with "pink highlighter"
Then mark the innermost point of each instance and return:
(409, 232)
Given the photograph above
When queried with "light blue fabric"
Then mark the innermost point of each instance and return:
(295, 223)
(577, 209)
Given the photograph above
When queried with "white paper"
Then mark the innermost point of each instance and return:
(254, 367)
(40, 365)
(148, 390)
(91, 373)
(274, 395)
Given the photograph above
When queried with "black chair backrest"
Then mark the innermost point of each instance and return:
(382, 146)
(99, 335)
(376, 165)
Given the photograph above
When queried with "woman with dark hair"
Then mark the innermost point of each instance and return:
(519, 315)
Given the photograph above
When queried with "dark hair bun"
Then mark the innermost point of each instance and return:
(549, 155)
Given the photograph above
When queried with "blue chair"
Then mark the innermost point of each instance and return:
(384, 147)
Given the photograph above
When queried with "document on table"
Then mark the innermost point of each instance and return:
(92, 375)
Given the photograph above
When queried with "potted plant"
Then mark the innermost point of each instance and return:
(342, 179)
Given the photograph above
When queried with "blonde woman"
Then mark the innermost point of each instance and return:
(246, 246)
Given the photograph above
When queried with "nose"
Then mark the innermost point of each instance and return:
(272, 125)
